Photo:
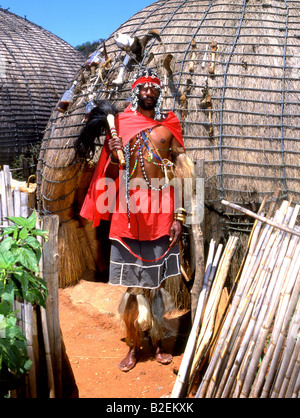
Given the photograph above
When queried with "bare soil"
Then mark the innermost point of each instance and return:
(95, 345)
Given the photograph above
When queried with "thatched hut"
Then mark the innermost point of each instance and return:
(231, 74)
(35, 68)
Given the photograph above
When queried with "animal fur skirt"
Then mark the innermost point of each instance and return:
(143, 264)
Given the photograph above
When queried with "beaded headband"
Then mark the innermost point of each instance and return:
(144, 80)
(147, 77)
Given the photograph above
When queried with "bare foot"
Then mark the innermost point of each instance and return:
(129, 361)
(161, 356)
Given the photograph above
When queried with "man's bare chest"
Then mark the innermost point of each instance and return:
(157, 137)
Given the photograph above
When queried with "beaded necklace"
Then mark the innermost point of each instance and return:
(136, 161)
(127, 161)
(141, 142)
(137, 142)
(146, 138)
(146, 177)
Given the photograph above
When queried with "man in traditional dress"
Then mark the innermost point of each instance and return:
(146, 230)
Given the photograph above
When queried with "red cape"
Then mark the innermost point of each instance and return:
(128, 125)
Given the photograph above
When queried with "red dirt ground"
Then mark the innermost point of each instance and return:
(95, 345)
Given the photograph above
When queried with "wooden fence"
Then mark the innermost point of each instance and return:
(40, 326)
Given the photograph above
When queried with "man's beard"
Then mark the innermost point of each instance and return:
(146, 106)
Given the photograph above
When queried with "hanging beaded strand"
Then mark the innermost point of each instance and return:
(127, 168)
(146, 177)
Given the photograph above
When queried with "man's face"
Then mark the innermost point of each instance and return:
(148, 97)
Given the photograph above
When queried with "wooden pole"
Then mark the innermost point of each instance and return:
(255, 308)
(21, 209)
(198, 246)
(270, 361)
(50, 274)
(8, 191)
(271, 299)
(49, 363)
(3, 199)
(238, 308)
(28, 319)
(287, 357)
(44, 325)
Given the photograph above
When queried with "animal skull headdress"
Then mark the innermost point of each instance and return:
(146, 78)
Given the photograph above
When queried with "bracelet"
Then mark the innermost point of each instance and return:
(182, 211)
(113, 160)
(180, 217)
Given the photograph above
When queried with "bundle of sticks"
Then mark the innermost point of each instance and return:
(257, 352)
(254, 349)
(204, 324)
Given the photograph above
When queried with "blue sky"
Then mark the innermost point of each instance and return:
(77, 21)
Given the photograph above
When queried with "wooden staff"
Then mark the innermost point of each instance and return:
(111, 122)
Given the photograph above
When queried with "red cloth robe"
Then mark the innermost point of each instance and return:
(128, 125)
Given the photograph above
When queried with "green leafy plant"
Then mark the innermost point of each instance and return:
(20, 253)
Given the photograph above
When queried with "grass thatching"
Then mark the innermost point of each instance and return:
(35, 67)
(242, 119)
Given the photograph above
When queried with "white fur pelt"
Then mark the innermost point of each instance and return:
(151, 310)
(123, 303)
(184, 167)
(161, 303)
(184, 171)
(122, 309)
(144, 320)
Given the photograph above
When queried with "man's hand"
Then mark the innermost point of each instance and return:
(175, 233)
(115, 144)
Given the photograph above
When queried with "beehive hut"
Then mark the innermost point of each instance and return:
(231, 75)
(35, 68)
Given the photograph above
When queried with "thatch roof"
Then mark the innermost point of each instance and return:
(251, 143)
(35, 68)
